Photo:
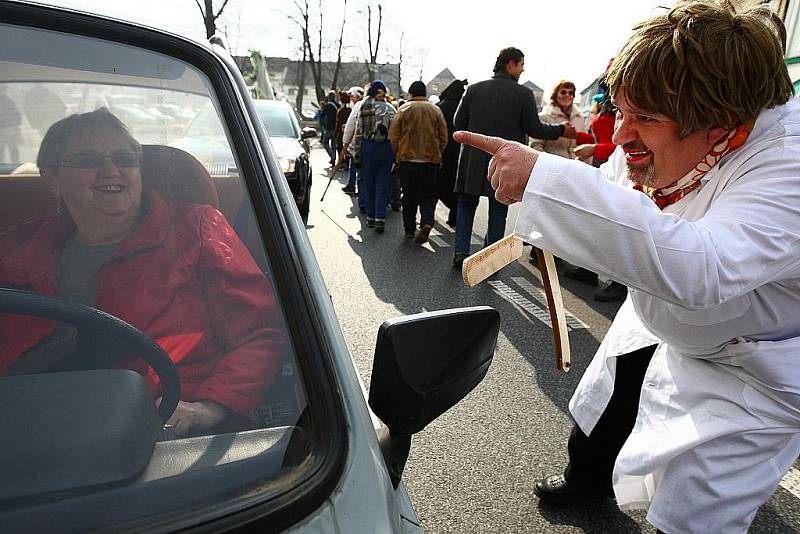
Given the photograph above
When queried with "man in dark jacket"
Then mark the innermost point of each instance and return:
(327, 119)
(502, 108)
(446, 179)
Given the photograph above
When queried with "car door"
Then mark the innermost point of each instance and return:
(217, 272)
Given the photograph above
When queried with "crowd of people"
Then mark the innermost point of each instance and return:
(683, 186)
(691, 406)
(401, 153)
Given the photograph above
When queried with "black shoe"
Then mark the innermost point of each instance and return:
(379, 225)
(458, 260)
(613, 292)
(555, 489)
(582, 275)
(370, 222)
(422, 235)
(349, 190)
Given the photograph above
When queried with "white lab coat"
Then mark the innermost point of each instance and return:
(715, 279)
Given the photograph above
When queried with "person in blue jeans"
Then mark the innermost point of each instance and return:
(374, 151)
(375, 169)
(467, 205)
(499, 107)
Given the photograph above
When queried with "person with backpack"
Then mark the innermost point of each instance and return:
(374, 151)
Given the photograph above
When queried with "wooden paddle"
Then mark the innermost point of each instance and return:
(491, 259)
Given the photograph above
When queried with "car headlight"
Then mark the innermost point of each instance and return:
(287, 164)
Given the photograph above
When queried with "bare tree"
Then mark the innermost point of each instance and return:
(209, 17)
(423, 52)
(302, 19)
(400, 62)
(372, 61)
(335, 81)
(301, 80)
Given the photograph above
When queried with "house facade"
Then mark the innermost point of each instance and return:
(285, 77)
(538, 93)
(440, 82)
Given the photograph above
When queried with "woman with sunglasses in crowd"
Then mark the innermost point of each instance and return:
(179, 273)
(560, 109)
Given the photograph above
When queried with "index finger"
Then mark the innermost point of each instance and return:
(484, 142)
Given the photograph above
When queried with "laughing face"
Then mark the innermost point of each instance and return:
(655, 154)
(99, 180)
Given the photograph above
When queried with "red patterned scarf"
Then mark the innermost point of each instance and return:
(664, 196)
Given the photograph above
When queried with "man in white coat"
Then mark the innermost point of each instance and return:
(691, 406)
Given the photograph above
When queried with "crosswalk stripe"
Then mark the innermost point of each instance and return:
(511, 295)
(537, 293)
(438, 241)
(791, 482)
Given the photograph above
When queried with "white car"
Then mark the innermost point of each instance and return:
(251, 413)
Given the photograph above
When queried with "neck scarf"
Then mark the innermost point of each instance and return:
(665, 196)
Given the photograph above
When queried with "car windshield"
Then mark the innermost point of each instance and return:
(119, 192)
(278, 119)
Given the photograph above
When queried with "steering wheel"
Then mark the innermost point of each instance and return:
(102, 339)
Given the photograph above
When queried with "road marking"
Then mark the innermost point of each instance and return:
(791, 482)
(514, 297)
(438, 241)
(537, 293)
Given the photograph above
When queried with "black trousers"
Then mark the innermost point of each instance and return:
(592, 457)
(419, 189)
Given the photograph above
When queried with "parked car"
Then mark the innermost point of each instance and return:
(169, 355)
(204, 137)
(291, 146)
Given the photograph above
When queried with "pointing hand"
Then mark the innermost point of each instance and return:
(510, 167)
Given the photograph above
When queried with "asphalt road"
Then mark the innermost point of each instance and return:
(473, 469)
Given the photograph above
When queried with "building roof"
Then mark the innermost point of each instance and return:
(532, 86)
(350, 73)
(439, 83)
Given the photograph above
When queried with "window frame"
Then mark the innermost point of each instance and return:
(267, 189)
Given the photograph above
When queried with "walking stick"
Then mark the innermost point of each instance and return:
(335, 170)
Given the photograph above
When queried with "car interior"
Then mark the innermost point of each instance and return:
(94, 437)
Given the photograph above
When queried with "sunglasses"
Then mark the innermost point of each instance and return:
(94, 160)
(565, 92)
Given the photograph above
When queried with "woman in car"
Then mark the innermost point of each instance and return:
(177, 272)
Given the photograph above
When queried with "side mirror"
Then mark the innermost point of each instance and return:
(308, 132)
(424, 364)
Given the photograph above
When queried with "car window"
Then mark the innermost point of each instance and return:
(120, 191)
(278, 119)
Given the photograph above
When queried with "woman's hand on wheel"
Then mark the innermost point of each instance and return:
(191, 418)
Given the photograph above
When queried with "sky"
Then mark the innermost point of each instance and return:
(570, 39)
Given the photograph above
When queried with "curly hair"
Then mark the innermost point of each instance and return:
(705, 64)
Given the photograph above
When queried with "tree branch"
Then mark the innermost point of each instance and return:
(225, 3)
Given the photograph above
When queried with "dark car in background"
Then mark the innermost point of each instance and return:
(291, 146)
(204, 138)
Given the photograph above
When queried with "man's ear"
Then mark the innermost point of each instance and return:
(716, 134)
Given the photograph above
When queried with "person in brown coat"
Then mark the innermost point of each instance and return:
(419, 137)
